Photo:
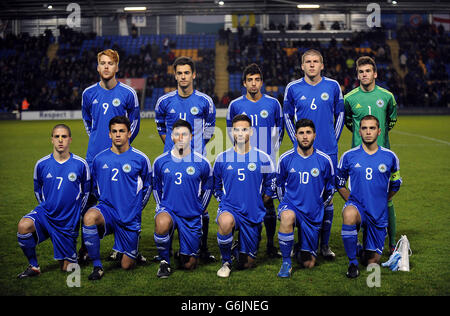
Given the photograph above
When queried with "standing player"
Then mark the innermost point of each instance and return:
(371, 99)
(268, 129)
(103, 101)
(243, 180)
(100, 103)
(319, 99)
(198, 109)
(122, 175)
(305, 180)
(182, 181)
(61, 186)
(373, 174)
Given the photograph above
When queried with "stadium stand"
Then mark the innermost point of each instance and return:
(52, 74)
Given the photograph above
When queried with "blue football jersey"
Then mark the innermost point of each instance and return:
(124, 184)
(62, 189)
(323, 104)
(240, 181)
(305, 182)
(370, 177)
(182, 185)
(267, 121)
(99, 106)
(198, 109)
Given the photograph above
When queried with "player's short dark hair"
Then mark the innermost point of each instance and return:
(305, 123)
(252, 69)
(366, 60)
(370, 117)
(120, 119)
(183, 60)
(182, 123)
(62, 126)
(241, 117)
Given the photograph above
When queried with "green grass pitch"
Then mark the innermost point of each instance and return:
(422, 207)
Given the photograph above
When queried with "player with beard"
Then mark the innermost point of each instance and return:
(373, 174)
(305, 179)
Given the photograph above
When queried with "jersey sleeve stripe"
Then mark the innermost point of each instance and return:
(339, 123)
(149, 165)
(328, 158)
(397, 161)
(163, 97)
(37, 163)
(289, 85)
(88, 171)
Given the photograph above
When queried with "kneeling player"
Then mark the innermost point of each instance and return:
(123, 177)
(61, 186)
(305, 179)
(374, 178)
(182, 189)
(243, 180)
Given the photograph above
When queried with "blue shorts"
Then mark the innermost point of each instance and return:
(125, 240)
(64, 240)
(308, 232)
(373, 236)
(249, 233)
(189, 232)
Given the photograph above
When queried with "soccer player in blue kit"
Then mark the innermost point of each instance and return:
(373, 174)
(122, 175)
(100, 103)
(305, 182)
(268, 129)
(182, 184)
(61, 186)
(103, 101)
(319, 99)
(244, 178)
(198, 109)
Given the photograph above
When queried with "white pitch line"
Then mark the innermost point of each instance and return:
(421, 136)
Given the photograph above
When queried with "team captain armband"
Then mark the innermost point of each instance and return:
(395, 176)
(395, 181)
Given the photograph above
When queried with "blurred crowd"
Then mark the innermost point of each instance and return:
(34, 78)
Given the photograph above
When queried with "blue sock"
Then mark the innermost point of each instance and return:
(270, 222)
(350, 238)
(92, 242)
(163, 243)
(286, 241)
(326, 225)
(225, 242)
(28, 245)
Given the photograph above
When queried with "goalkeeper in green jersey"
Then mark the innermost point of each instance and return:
(372, 99)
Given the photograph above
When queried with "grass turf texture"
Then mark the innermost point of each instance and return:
(421, 143)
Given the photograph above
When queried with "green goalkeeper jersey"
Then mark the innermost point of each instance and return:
(379, 102)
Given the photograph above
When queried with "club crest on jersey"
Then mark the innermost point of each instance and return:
(380, 103)
(264, 113)
(315, 172)
(190, 170)
(324, 96)
(72, 176)
(382, 168)
(126, 168)
(116, 102)
(194, 110)
(251, 166)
